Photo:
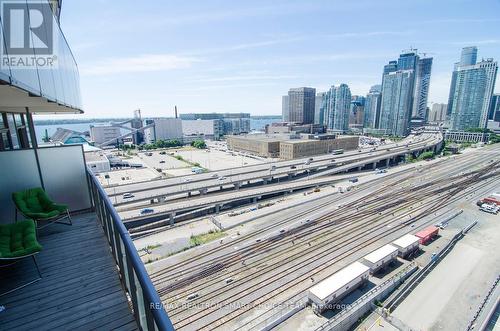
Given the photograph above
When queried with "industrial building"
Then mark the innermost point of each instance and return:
(265, 146)
(427, 234)
(104, 133)
(97, 162)
(206, 129)
(406, 244)
(163, 129)
(380, 258)
(230, 123)
(464, 136)
(286, 127)
(332, 289)
(67, 137)
(297, 148)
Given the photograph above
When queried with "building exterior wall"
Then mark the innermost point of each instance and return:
(103, 133)
(422, 81)
(285, 108)
(209, 128)
(372, 108)
(438, 113)
(319, 108)
(289, 150)
(464, 136)
(260, 147)
(301, 104)
(164, 129)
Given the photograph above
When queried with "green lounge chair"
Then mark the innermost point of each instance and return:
(18, 241)
(35, 204)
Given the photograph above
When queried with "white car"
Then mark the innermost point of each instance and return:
(128, 195)
(214, 176)
(222, 178)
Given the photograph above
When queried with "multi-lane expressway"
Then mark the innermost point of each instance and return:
(160, 191)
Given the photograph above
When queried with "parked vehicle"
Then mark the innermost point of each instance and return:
(293, 167)
(128, 195)
(489, 208)
(146, 211)
(162, 161)
(353, 180)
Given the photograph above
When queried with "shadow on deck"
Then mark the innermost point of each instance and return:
(80, 288)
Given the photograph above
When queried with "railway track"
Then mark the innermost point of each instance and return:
(322, 228)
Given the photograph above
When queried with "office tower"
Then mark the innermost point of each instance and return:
(319, 108)
(395, 108)
(438, 113)
(285, 108)
(422, 80)
(490, 68)
(338, 106)
(301, 105)
(494, 107)
(390, 67)
(372, 107)
(468, 98)
(467, 57)
(408, 60)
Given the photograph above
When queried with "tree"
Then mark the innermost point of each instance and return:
(200, 144)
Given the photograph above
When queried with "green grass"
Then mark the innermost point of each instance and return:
(205, 237)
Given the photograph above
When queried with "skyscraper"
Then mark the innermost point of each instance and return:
(372, 107)
(319, 108)
(438, 113)
(422, 81)
(285, 108)
(356, 114)
(471, 91)
(494, 107)
(468, 98)
(467, 57)
(395, 108)
(301, 103)
(338, 106)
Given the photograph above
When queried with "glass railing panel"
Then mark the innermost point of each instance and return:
(4, 69)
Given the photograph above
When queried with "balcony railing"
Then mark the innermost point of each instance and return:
(147, 306)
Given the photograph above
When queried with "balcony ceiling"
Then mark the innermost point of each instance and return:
(15, 100)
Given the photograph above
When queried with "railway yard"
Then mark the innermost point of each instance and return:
(243, 280)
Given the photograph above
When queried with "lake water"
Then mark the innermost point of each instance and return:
(255, 124)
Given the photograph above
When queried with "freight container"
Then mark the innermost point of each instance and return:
(492, 199)
(381, 257)
(406, 245)
(332, 289)
(427, 234)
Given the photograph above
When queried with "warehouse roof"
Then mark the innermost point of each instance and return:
(427, 232)
(380, 253)
(406, 240)
(338, 280)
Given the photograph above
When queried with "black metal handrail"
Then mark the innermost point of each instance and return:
(147, 306)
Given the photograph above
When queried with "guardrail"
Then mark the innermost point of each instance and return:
(146, 303)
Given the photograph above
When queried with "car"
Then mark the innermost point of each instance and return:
(214, 176)
(353, 180)
(311, 159)
(307, 162)
(163, 153)
(222, 178)
(162, 161)
(293, 167)
(146, 211)
(128, 195)
(187, 179)
(332, 161)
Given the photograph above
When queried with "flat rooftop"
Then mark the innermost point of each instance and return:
(80, 287)
(95, 157)
(406, 240)
(380, 253)
(338, 280)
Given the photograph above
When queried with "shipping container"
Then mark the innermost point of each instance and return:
(332, 289)
(492, 199)
(406, 244)
(381, 257)
(427, 234)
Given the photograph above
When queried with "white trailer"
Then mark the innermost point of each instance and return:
(406, 244)
(380, 257)
(334, 288)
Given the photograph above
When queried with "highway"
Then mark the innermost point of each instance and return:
(231, 178)
(229, 284)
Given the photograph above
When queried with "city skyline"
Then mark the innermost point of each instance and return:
(184, 59)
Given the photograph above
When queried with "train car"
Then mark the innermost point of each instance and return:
(332, 289)
(427, 234)
(406, 245)
(381, 257)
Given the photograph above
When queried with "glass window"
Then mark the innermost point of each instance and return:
(12, 131)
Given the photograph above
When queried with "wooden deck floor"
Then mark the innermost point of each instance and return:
(80, 288)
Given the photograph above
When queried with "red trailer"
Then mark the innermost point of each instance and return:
(427, 234)
(492, 200)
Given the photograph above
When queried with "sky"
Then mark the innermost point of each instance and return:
(242, 56)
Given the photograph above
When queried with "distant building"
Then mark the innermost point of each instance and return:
(291, 146)
(285, 108)
(338, 107)
(464, 136)
(422, 81)
(357, 111)
(467, 57)
(231, 123)
(372, 107)
(68, 137)
(494, 112)
(301, 105)
(282, 127)
(164, 129)
(206, 129)
(236, 125)
(105, 134)
(468, 98)
(438, 113)
(396, 103)
(319, 108)
(97, 162)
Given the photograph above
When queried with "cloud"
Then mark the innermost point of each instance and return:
(141, 63)
(477, 42)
